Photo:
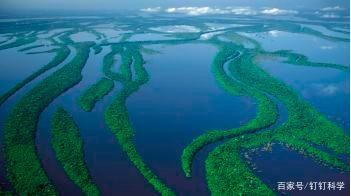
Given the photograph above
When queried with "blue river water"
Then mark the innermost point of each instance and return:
(181, 101)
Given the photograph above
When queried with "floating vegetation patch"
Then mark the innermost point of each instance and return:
(69, 151)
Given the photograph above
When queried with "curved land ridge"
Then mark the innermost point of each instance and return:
(68, 148)
(235, 68)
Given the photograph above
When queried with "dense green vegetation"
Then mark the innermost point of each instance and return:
(228, 174)
(299, 59)
(305, 122)
(305, 128)
(3, 192)
(118, 121)
(95, 93)
(235, 68)
(267, 112)
(31, 47)
(21, 41)
(69, 151)
(61, 54)
(24, 168)
(109, 61)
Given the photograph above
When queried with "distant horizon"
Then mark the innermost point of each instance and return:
(330, 12)
(95, 5)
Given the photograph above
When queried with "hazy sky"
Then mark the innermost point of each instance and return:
(138, 4)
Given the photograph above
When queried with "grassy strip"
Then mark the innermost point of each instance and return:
(44, 51)
(61, 54)
(24, 169)
(310, 31)
(267, 113)
(69, 151)
(95, 93)
(299, 59)
(31, 47)
(19, 42)
(116, 117)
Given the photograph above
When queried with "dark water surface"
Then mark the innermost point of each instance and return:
(180, 102)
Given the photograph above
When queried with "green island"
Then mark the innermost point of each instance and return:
(21, 41)
(109, 62)
(95, 93)
(31, 47)
(69, 151)
(22, 163)
(267, 111)
(235, 68)
(299, 59)
(61, 54)
(304, 131)
(116, 116)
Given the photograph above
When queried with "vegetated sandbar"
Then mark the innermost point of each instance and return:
(305, 130)
(24, 169)
(95, 93)
(31, 47)
(299, 59)
(21, 41)
(267, 112)
(116, 116)
(68, 147)
(61, 54)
